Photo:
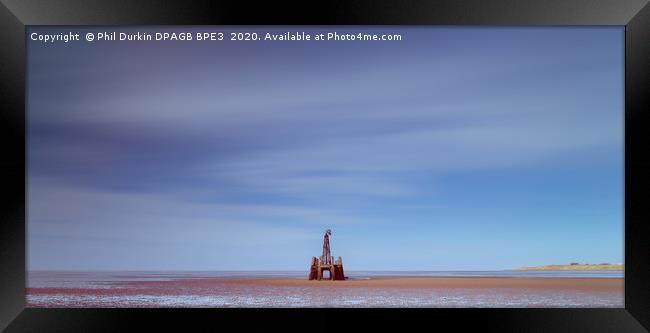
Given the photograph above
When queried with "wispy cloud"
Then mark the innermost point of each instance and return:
(245, 147)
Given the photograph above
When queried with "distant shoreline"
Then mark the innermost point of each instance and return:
(579, 267)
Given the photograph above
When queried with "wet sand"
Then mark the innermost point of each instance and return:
(371, 292)
(583, 284)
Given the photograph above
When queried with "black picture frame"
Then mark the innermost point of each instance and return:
(15, 15)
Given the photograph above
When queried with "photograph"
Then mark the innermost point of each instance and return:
(382, 166)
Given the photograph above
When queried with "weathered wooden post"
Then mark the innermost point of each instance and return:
(338, 269)
(313, 270)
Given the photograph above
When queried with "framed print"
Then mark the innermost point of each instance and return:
(451, 163)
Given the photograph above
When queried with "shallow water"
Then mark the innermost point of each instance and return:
(189, 289)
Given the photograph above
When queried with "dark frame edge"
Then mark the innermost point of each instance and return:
(637, 165)
(12, 166)
(339, 12)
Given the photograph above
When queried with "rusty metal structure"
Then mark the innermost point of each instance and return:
(324, 263)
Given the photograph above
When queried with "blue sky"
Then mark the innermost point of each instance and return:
(453, 149)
